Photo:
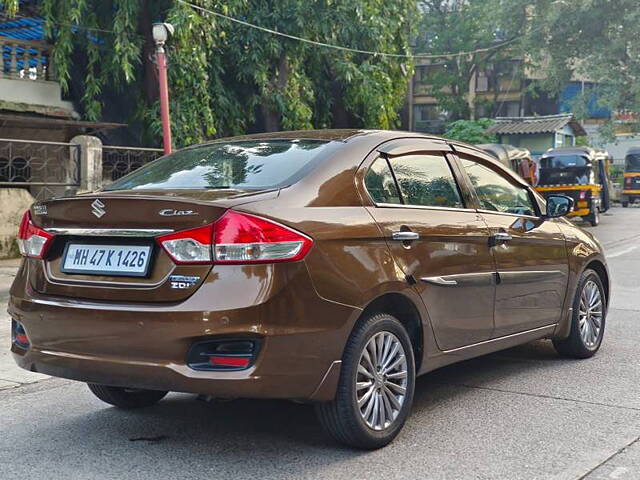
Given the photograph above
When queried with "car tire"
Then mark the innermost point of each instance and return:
(594, 218)
(587, 326)
(126, 398)
(625, 204)
(345, 418)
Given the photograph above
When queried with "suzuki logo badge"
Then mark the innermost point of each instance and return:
(98, 208)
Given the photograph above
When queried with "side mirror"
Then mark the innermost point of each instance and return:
(559, 206)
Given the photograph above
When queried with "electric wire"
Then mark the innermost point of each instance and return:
(347, 49)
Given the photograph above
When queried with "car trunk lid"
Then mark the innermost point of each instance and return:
(113, 222)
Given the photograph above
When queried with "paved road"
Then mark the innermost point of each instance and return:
(519, 414)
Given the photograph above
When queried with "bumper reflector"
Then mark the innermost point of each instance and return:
(18, 335)
(217, 360)
(223, 354)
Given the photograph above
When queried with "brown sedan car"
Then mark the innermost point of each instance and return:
(324, 266)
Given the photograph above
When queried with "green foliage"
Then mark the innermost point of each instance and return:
(471, 131)
(226, 79)
(582, 142)
(10, 6)
(616, 174)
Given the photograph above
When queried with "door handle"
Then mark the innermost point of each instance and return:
(405, 236)
(499, 238)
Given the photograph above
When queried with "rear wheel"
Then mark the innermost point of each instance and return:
(588, 321)
(126, 397)
(376, 385)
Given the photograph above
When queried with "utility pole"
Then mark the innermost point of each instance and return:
(161, 33)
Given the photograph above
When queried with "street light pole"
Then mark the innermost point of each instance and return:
(161, 32)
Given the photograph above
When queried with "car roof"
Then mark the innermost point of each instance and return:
(365, 136)
(556, 152)
(633, 151)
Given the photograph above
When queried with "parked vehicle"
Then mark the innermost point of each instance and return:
(582, 174)
(631, 187)
(516, 159)
(320, 266)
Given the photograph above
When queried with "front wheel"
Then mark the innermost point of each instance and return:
(588, 320)
(126, 398)
(594, 218)
(376, 385)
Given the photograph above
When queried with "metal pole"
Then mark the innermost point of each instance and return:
(161, 57)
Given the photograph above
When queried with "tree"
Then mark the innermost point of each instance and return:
(471, 131)
(449, 26)
(225, 78)
(596, 40)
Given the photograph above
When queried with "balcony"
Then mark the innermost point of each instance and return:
(27, 78)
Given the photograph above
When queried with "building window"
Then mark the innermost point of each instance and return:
(508, 109)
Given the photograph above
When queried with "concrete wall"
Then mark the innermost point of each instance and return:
(13, 203)
(536, 144)
(33, 92)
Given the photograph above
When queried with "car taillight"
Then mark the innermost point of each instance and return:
(583, 195)
(236, 238)
(240, 238)
(189, 246)
(32, 241)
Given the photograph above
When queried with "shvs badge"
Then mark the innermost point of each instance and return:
(183, 282)
(40, 209)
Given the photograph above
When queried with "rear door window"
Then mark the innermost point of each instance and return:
(426, 180)
(381, 184)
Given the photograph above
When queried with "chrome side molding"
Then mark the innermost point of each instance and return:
(110, 232)
(440, 281)
(462, 280)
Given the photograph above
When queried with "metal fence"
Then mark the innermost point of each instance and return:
(46, 168)
(119, 161)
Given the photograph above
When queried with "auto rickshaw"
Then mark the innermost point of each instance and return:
(631, 186)
(516, 159)
(580, 173)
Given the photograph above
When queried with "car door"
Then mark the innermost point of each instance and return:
(440, 245)
(529, 251)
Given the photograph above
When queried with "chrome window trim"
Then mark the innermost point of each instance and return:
(423, 207)
(110, 232)
(493, 212)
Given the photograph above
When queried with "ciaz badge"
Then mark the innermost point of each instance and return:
(170, 212)
(183, 282)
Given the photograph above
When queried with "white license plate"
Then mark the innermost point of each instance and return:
(124, 260)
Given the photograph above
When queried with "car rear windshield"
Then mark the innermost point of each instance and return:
(235, 165)
(564, 161)
(566, 176)
(633, 162)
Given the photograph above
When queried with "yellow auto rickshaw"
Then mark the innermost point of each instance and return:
(514, 158)
(580, 173)
(631, 186)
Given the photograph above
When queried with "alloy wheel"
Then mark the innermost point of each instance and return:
(590, 314)
(381, 380)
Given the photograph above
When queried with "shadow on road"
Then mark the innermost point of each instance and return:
(195, 429)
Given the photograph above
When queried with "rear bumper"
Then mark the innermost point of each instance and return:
(630, 195)
(145, 346)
